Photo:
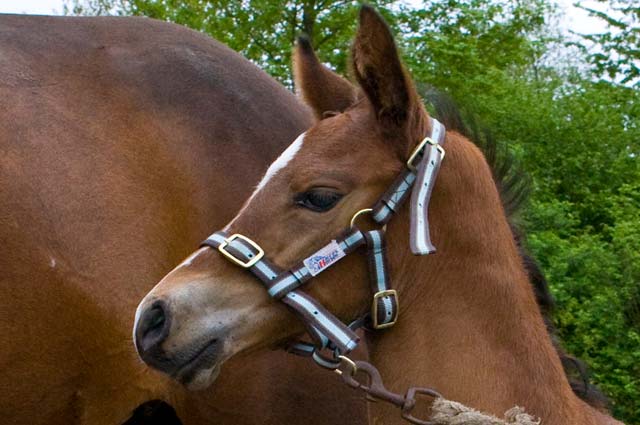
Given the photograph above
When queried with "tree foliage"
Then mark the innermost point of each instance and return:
(617, 52)
(579, 138)
(262, 30)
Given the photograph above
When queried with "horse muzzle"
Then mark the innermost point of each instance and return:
(194, 362)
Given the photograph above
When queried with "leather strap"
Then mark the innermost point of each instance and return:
(394, 197)
(319, 261)
(385, 301)
(432, 155)
(320, 322)
(417, 181)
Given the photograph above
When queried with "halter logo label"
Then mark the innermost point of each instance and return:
(324, 258)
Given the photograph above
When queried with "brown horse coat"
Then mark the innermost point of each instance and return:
(122, 143)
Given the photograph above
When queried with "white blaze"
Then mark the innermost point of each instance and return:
(280, 163)
(283, 160)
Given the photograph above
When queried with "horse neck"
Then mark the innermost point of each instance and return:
(469, 324)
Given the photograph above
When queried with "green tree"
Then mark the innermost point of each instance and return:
(617, 51)
(583, 224)
(446, 43)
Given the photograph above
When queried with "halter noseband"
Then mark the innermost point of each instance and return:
(326, 330)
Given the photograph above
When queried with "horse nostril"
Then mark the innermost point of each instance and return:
(153, 328)
(155, 320)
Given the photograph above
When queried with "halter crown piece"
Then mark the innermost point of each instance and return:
(327, 331)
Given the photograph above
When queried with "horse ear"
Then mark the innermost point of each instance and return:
(322, 89)
(379, 71)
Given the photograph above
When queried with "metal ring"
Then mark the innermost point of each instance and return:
(359, 213)
(348, 361)
(324, 362)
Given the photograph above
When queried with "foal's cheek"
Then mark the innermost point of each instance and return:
(270, 327)
(343, 288)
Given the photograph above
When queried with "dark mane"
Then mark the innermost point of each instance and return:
(514, 187)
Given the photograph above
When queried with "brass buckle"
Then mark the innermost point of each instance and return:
(374, 309)
(421, 145)
(244, 264)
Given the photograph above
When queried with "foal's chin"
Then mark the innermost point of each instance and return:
(201, 379)
(198, 367)
(201, 371)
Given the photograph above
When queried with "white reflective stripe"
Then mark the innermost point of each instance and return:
(265, 269)
(377, 257)
(420, 207)
(381, 280)
(427, 174)
(301, 272)
(288, 281)
(404, 186)
(235, 244)
(260, 265)
(437, 130)
(351, 240)
(391, 204)
(352, 345)
(322, 320)
(216, 237)
(382, 214)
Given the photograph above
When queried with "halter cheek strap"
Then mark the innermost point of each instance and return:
(384, 306)
(323, 326)
(418, 180)
(326, 330)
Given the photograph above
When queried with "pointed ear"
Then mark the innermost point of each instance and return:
(322, 89)
(379, 71)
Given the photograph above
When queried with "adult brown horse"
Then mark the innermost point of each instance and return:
(123, 140)
(469, 324)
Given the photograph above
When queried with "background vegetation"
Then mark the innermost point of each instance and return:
(568, 109)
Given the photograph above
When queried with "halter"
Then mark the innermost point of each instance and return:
(326, 330)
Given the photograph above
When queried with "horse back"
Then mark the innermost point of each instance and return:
(124, 141)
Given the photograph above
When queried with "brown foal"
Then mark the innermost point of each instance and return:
(469, 325)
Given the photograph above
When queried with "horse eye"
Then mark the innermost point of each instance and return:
(318, 200)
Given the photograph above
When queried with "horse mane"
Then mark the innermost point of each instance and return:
(514, 186)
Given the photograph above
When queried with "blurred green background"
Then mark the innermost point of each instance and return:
(565, 104)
